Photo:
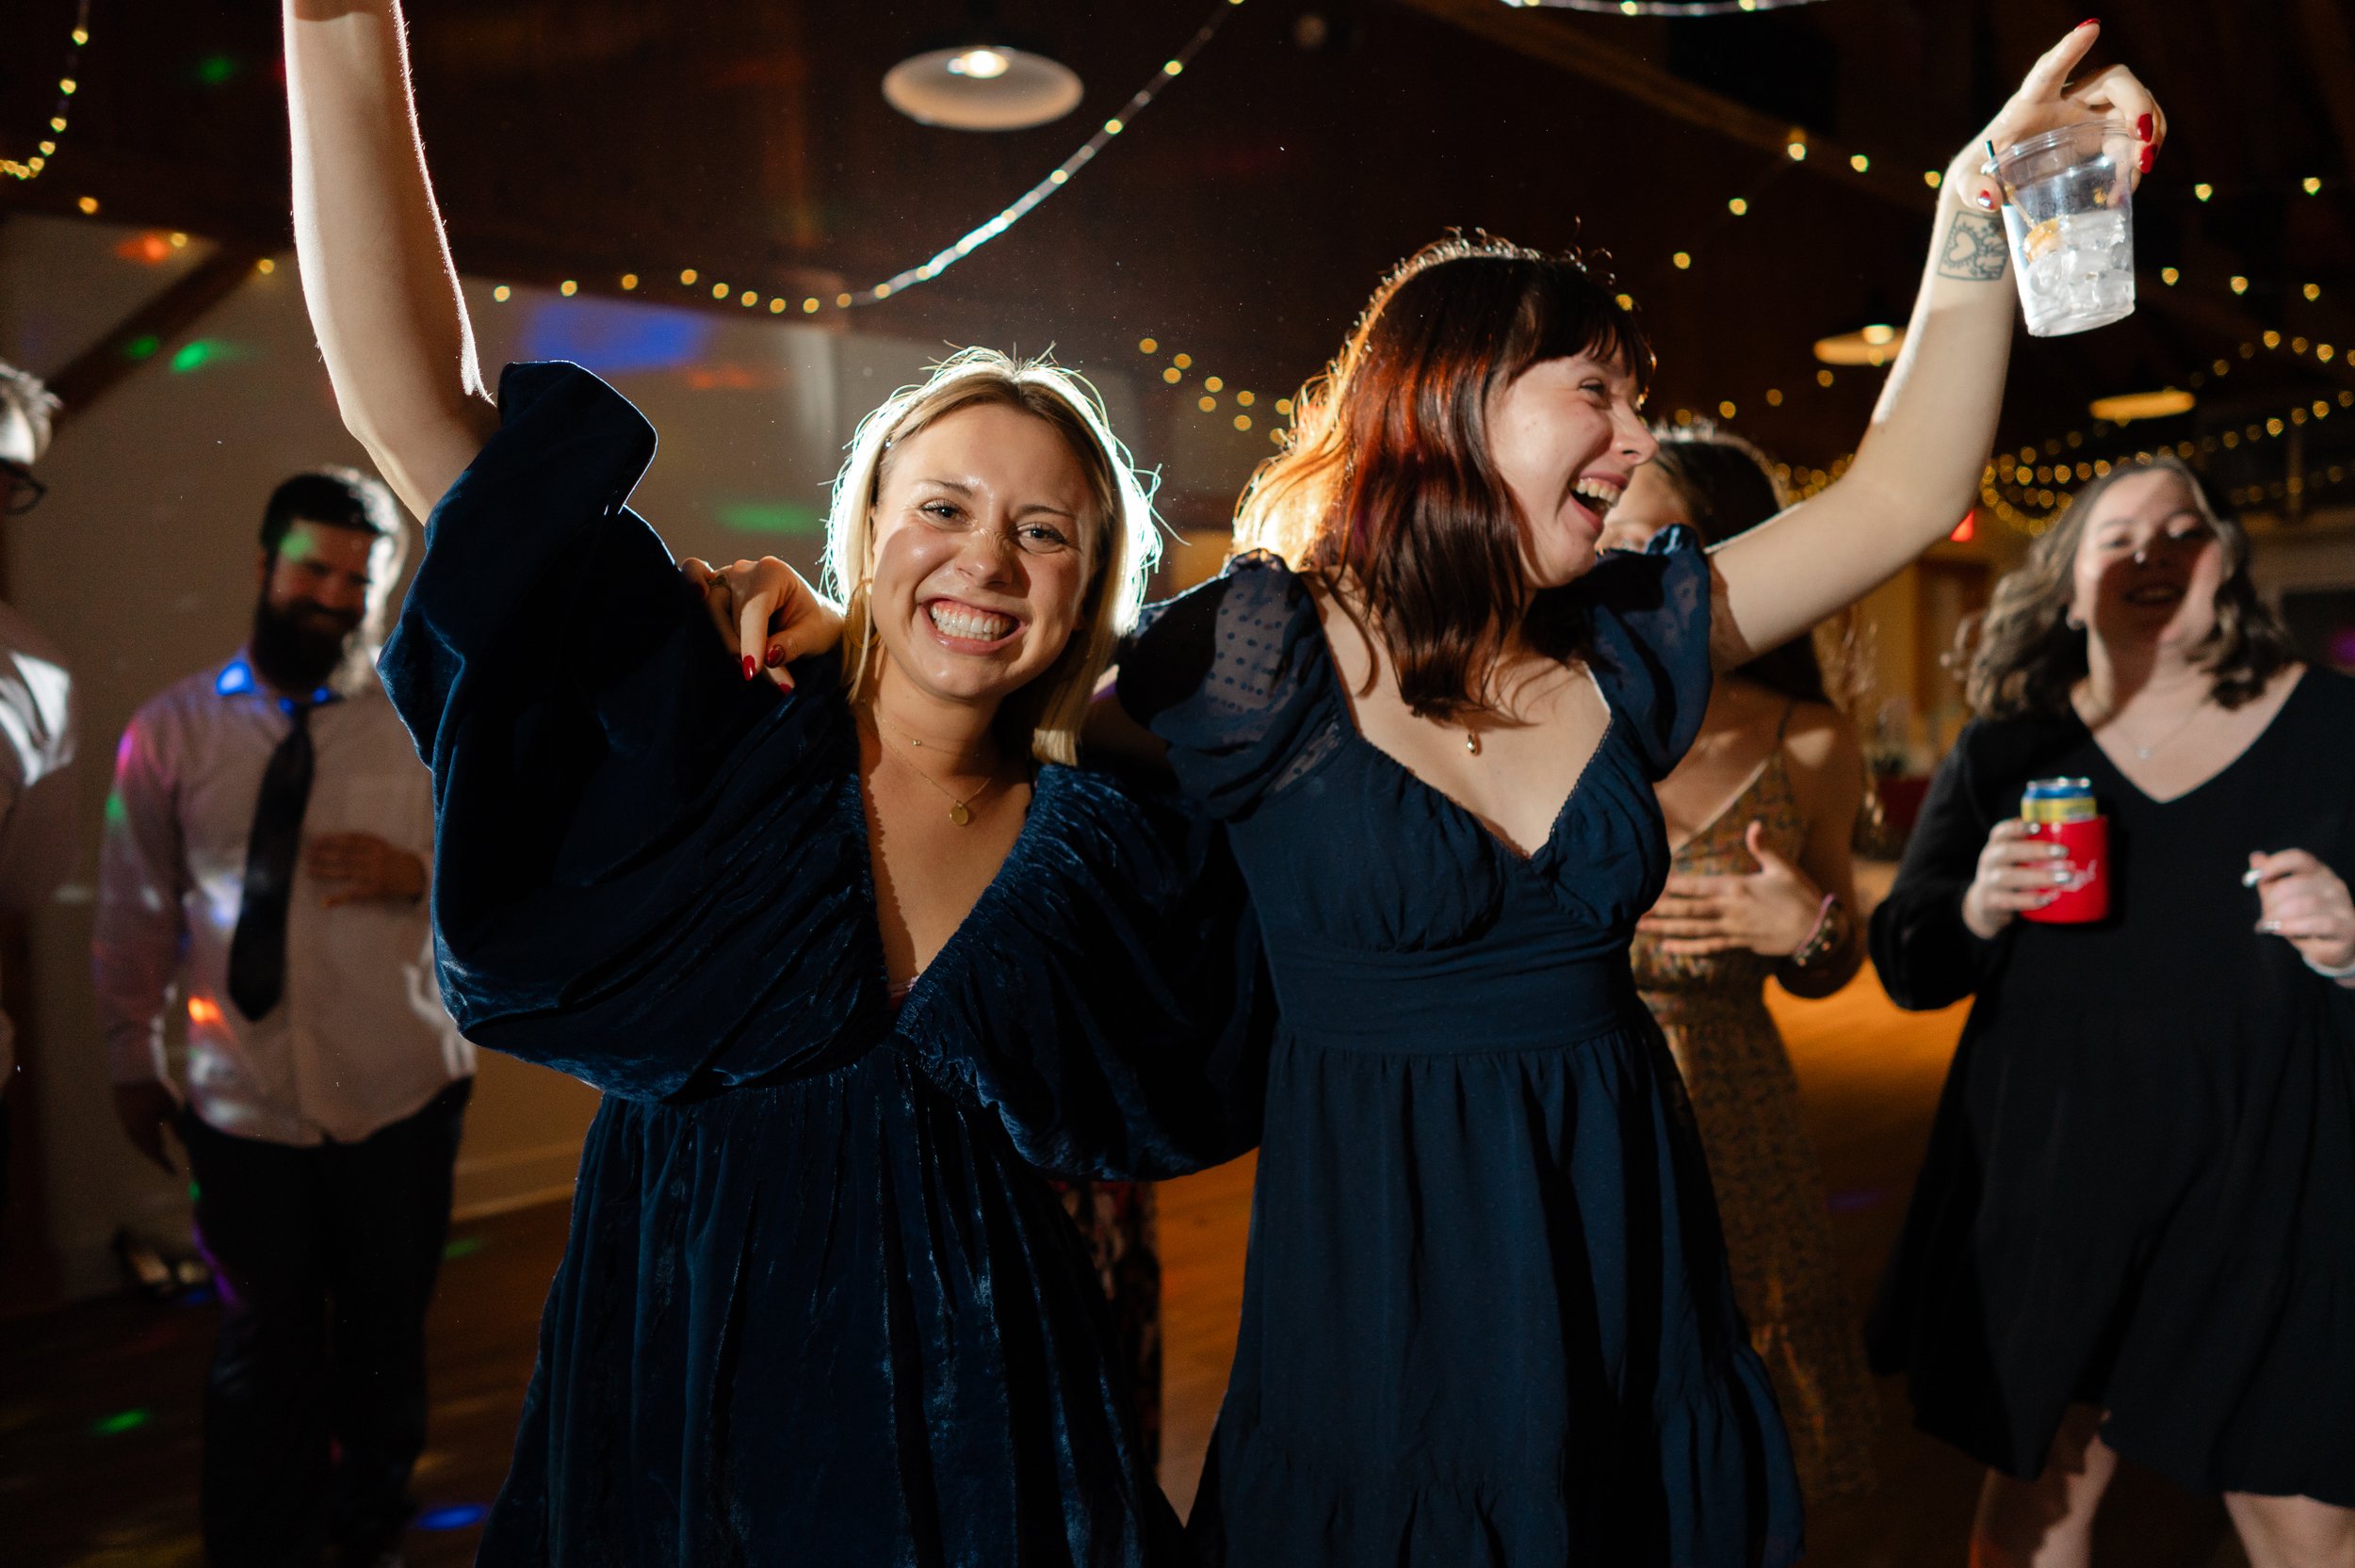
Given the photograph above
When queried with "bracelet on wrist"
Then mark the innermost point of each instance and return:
(1822, 937)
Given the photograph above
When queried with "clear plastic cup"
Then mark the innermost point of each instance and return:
(2067, 208)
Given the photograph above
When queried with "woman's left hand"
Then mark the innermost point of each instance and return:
(766, 612)
(2306, 904)
(1771, 911)
(2047, 100)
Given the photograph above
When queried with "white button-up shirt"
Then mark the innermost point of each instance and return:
(361, 1038)
(35, 789)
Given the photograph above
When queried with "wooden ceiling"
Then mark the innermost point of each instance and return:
(1245, 215)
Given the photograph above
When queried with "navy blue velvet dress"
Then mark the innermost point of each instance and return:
(818, 1305)
(1487, 1318)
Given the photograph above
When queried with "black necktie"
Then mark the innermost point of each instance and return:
(257, 951)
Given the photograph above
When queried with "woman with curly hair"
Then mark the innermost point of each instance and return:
(2134, 1228)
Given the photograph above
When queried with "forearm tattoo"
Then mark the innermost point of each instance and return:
(1975, 251)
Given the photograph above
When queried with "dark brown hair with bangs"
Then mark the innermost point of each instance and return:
(1385, 487)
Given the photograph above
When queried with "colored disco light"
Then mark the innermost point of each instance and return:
(458, 1516)
(772, 517)
(121, 1422)
(142, 346)
(203, 352)
(613, 338)
(149, 249)
(218, 69)
(464, 1246)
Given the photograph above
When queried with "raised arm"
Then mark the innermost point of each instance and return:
(1917, 470)
(376, 271)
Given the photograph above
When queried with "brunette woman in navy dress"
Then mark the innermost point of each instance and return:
(853, 954)
(1486, 1317)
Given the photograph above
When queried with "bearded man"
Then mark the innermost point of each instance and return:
(265, 863)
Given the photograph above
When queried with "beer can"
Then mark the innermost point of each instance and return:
(2065, 812)
(2058, 800)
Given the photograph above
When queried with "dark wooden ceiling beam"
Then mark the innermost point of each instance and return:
(166, 318)
(1554, 40)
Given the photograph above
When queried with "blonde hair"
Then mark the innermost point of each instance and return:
(1122, 541)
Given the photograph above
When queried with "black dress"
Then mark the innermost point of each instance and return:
(2139, 1193)
(1486, 1320)
(818, 1305)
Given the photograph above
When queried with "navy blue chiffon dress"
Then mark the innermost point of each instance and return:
(1487, 1316)
(818, 1305)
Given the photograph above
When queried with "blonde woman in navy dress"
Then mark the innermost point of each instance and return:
(854, 953)
(1486, 1317)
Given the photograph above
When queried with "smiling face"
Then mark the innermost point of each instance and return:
(1567, 439)
(1651, 502)
(2148, 565)
(983, 541)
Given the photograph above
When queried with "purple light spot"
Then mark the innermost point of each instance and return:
(2342, 647)
(1858, 1199)
(457, 1517)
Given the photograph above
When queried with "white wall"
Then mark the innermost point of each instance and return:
(140, 564)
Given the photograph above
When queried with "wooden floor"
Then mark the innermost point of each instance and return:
(99, 1403)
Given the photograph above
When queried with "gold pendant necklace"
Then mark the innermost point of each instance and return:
(960, 810)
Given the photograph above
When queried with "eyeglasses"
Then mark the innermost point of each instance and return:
(19, 491)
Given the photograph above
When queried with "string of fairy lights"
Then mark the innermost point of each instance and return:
(2018, 489)
(925, 272)
(2027, 509)
(69, 83)
(2015, 482)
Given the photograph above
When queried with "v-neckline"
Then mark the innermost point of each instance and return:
(1553, 828)
(1046, 777)
(2297, 687)
(1709, 824)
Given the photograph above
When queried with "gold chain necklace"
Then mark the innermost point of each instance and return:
(960, 810)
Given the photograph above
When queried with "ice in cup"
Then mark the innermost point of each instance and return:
(2067, 208)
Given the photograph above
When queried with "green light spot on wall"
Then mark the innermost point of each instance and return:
(142, 346)
(466, 1246)
(218, 70)
(121, 1422)
(116, 814)
(195, 356)
(772, 517)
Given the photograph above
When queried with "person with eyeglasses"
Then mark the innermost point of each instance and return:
(37, 717)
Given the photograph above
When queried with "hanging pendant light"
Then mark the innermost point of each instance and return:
(982, 79)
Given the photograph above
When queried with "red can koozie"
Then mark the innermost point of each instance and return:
(2087, 894)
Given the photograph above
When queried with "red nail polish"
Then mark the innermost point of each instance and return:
(2090, 22)
(2149, 156)
(2144, 126)
(749, 667)
(775, 656)
(1986, 200)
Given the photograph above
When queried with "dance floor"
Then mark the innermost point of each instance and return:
(99, 1403)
